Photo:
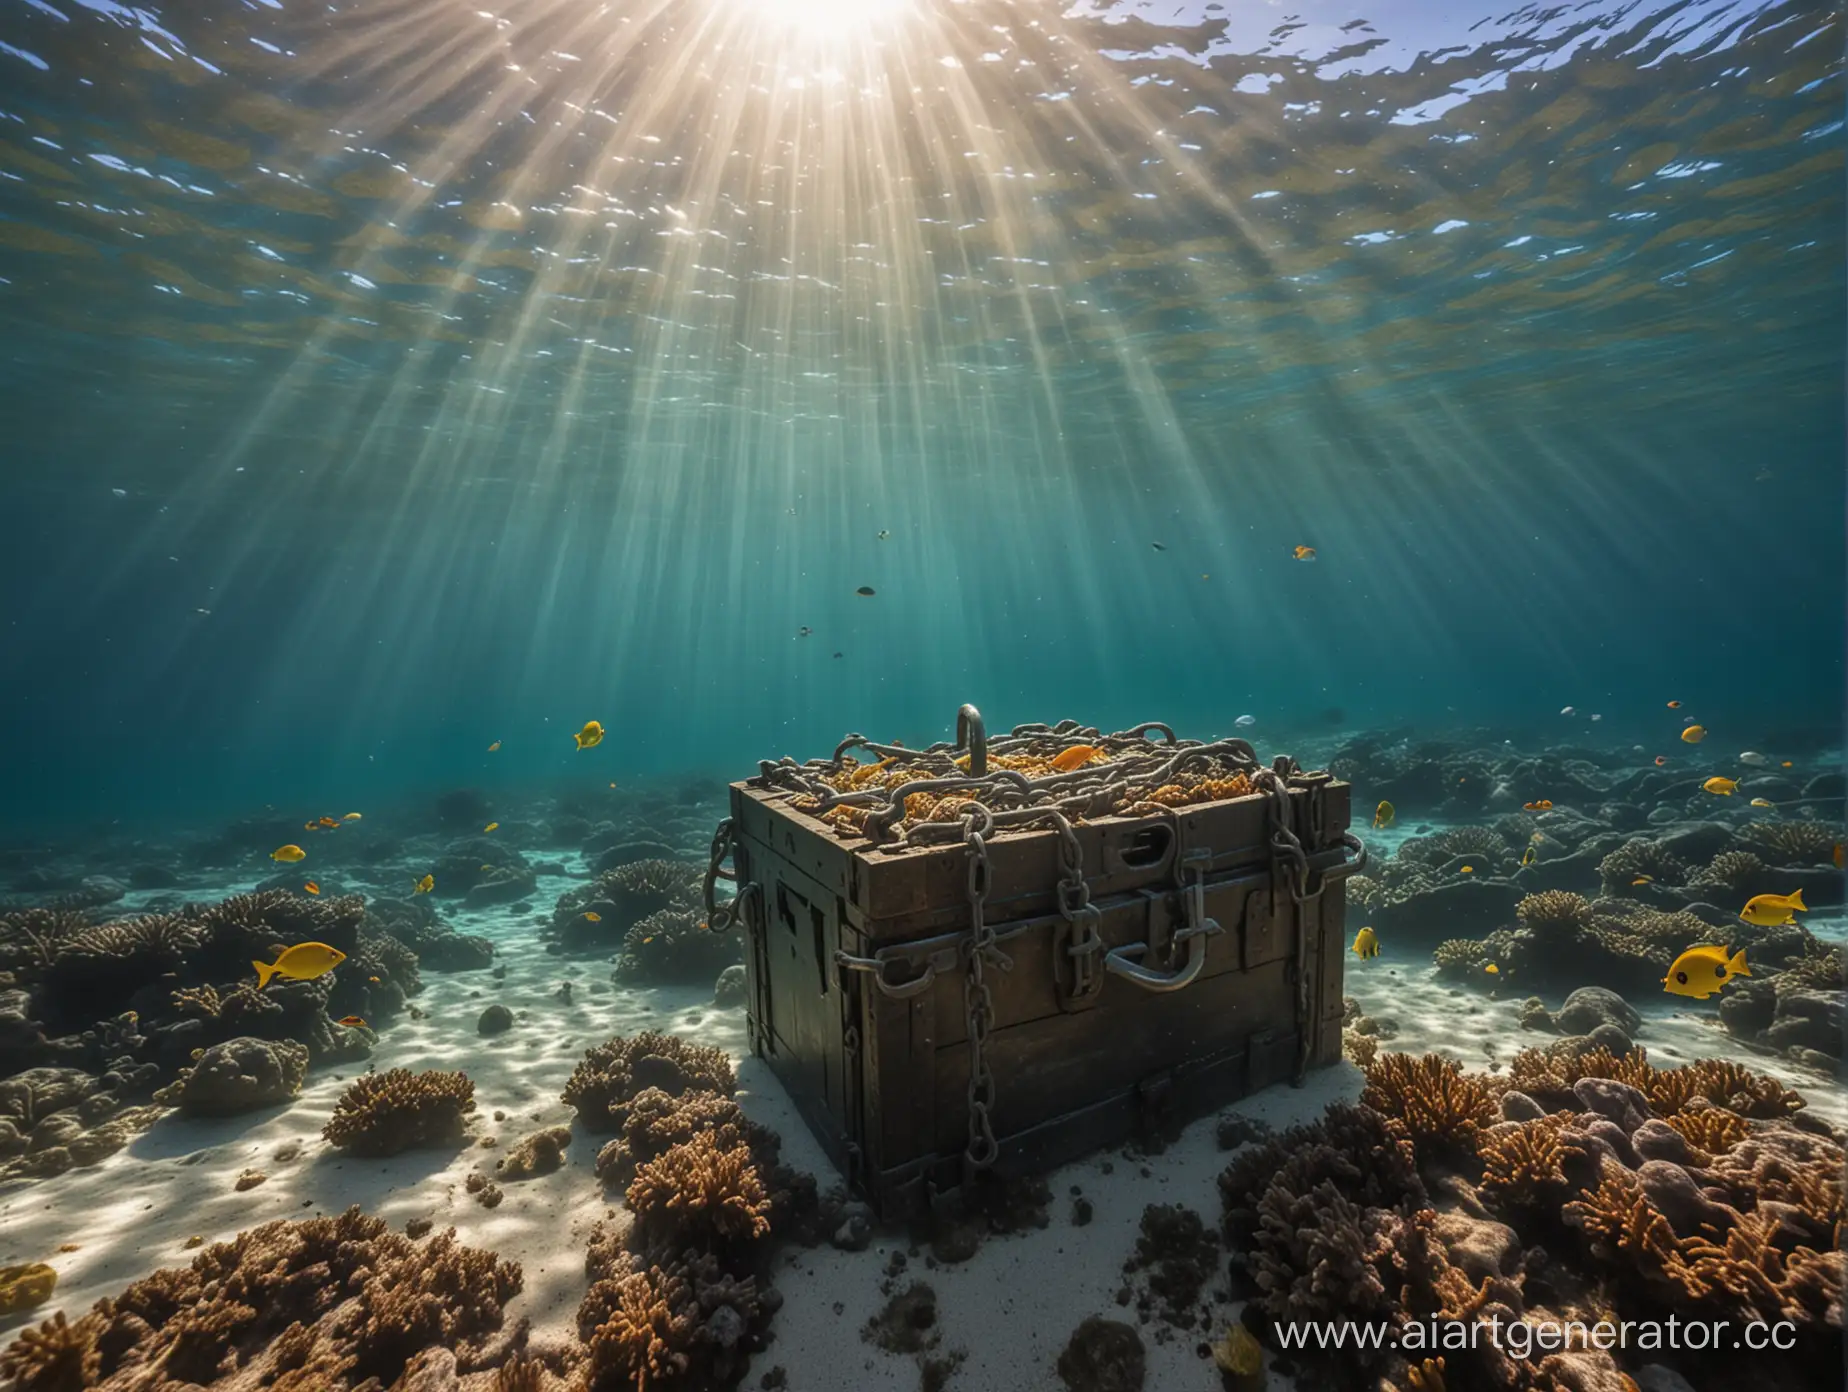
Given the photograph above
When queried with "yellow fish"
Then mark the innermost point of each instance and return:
(1643, 879)
(351, 817)
(1700, 971)
(1722, 786)
(1492, 969)
(1383, 815)
(494, 746)
(1527, 856)
(1770, 910)
(303, 962)
(311, 887)
(593, 918)
(1366, 944)
(1763, 802)
(289, 854)
(425, 885)
(1694, 734)
(1303, 553)
(491, 826)
(1076, 757)
(351, 1021)
(590, 736)
(1469, 870)
(485, 868)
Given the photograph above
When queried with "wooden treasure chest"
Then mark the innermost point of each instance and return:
(1005, 954)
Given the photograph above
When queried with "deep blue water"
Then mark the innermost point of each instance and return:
(379, 381)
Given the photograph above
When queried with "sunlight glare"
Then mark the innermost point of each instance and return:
(825, 19)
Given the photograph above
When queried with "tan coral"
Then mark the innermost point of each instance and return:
(384, 1113)
(1438, 1102)
(700, 1191)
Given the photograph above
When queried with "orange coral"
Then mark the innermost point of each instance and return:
(1521, 1166)
(701, 1189)
(1439, 1103)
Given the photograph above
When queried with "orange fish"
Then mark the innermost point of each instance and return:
(1075, 757)
(1836, 855)
(351, 1022)
(1544, 805)
(1661, 759)
(1674, 705)
(1694, 734)
(373, 979)
(327, 822)
(494, 746)
(593, 918)
(307, 826)
(1303, 553)
(312, 887)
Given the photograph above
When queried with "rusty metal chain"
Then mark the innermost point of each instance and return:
(978, 1002)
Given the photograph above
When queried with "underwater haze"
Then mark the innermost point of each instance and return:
(381, 380)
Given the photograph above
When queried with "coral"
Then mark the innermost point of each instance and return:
(1711, 1130)
(1535, 1015)
(1440, 1105)
(1478, 841)
(674, 946)
(612, 1073)
(384, 1113)
(319, 1303)
(238, 1075)
(1360, 1048)
(1549, 1075)
(700, 1193)
(1553, 908)
(1369, 1160)
(676, 1323)
(1522, 1162)
(656, 1121)
(1817, 970)
(1460, 958)
(247, 926)
(1795, 843)
(23, 1287)
(31, 939)
(1637, 857)
(57, 1356)
(1729, 870)
(539, 1154)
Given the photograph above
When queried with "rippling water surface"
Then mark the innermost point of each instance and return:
(377, 377)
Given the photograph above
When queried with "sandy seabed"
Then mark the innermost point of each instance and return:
(1005, 1313)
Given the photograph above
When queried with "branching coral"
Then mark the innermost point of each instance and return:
(1441, 1105)
(1521, 1162)
(31, 939)
(1460, 958)
(675, 946)
(320, 1303)
(1795, 843)
(612, 1073)
(1729, 870)
(384, 1113)
(679, 1322)
(1368, 1158)
(1483, 842)
(1553, 908)
(1710, 1130)
(657, 1121)
(700, 1193)
(57, 1356)
(1622, 867)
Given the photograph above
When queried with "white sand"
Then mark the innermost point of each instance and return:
(1008, 1310)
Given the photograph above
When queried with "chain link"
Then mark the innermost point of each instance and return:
(979, 1003)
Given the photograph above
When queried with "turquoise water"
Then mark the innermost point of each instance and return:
(379, 382)
(1449, 396)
